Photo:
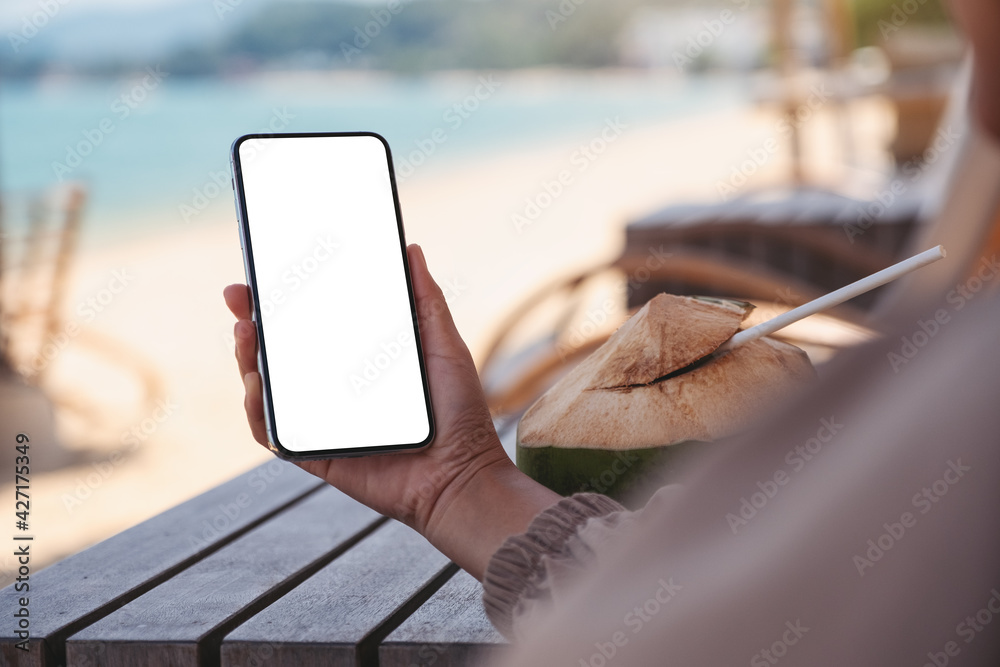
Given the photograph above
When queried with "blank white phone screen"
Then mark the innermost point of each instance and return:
(334, 306)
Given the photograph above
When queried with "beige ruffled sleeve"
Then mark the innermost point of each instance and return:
(525, 575)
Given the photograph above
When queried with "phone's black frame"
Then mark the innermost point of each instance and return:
(248, 262)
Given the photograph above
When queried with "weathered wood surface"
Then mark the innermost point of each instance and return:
(449, 630)
(340, 614)
(83, 588)
(182, 621)
(271, 568)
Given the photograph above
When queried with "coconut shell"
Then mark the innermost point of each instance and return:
(613, 400)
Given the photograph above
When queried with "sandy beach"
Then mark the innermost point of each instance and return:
(492, 230)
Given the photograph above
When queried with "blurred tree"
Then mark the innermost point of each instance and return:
(426, 34)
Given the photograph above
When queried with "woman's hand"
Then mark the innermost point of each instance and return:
(462, 480)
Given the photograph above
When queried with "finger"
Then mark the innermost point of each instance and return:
(253, 403)
(245, 335)
(437, 327)
(238, 300)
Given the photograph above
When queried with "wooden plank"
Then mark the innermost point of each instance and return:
(339, 615)
(449, 630)
(182, 621)
(80, 589)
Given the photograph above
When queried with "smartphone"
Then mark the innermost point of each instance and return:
(325, 256)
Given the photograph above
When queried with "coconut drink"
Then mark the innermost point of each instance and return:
(627, 416)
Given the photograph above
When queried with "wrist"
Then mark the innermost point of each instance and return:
(474, 515)
(485, 470)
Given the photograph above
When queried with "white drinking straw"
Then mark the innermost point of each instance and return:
(833, 298)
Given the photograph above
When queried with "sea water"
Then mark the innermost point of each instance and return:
(152, 149)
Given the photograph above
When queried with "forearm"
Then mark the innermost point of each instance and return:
(472, 520)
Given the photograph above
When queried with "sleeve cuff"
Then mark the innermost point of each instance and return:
(516, 569)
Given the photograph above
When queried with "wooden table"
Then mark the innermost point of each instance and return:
(271, 568)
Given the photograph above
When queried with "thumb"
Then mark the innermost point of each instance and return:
(437, 328)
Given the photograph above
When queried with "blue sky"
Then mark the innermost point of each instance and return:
(13, 11)
(80, 30)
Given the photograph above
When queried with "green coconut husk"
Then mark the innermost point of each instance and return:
(621, 474)
(616, 408)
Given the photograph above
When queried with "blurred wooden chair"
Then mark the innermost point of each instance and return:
(33, 280)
